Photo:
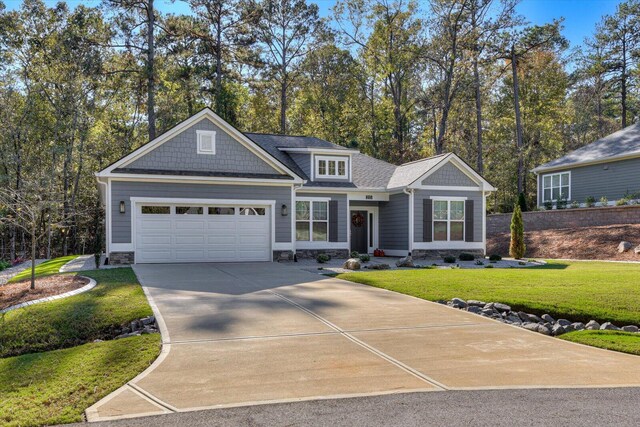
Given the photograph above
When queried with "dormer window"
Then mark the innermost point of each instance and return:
(206, 142)
(331, 167)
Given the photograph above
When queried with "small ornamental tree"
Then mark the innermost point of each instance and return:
(517, 246)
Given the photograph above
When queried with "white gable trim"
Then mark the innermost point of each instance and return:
(483, 184)
(217, 120)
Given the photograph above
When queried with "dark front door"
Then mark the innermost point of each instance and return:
(359, 231)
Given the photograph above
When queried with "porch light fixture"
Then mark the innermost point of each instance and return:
(121, 206)
(283, 210)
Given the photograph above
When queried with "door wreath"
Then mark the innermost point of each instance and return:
(357, 219)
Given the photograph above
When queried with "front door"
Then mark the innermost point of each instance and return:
(359, 229)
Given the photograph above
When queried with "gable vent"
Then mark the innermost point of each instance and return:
(206, 142)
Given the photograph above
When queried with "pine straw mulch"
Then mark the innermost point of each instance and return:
(574, 243)
(16, 293)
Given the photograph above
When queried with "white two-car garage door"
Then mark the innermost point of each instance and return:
(201, 233)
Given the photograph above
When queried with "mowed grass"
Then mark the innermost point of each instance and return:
(625, 342)
(47, 268)
(578, 291)
(116, 300)
(57, 386)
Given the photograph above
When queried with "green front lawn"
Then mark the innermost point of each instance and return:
(578, 291)
(116, 300)
(625, 342)
(47, 268)
(57, 386)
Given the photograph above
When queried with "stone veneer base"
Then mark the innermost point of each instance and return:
(423, 254)
(121, 258)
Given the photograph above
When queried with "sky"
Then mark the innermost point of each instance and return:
(580, 16)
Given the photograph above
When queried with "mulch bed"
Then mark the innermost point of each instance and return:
(574, 243)
(16, 293)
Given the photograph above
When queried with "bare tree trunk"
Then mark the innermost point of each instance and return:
(33, 256)
(623, 84)
(516, 106)
(283, 107)
(151, 74)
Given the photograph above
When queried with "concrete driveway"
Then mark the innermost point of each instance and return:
(244, 334)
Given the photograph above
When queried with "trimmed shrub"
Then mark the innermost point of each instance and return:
(365, 257)
(548, 205)
(322, 258)
(355, 254)
(604, 201)
(517, 246)
(590, 201)
(465, 256)
(449, 259)
(575, 204)
(495, 257)
(479, 262)
(561, 204)
(488, 266)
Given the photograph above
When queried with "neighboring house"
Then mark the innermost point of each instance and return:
(204, 191)
(608, 167)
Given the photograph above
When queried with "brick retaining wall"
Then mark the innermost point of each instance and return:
(566, 218)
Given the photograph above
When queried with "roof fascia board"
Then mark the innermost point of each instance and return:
(217, 120)
(586, 163)
(200, 179)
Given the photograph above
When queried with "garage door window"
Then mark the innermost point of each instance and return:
(253, 211)
(189, 210)
(312, 221)
(221, 211)
(156, 210)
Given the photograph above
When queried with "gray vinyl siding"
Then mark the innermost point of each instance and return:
(449, 175)
(342, 210)
(122, 190)
(181, 153)
(619, 178)
(316, 178)
(418, 204)
(394, 222)
(303, 160)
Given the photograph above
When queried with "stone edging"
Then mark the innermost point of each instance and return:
(92, 283)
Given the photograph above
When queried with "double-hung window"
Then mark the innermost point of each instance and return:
(448, 220)
(331, 167)
(555, 187)
(312, 220)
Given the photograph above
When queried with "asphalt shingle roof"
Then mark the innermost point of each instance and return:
(368, 172)
(623, 142)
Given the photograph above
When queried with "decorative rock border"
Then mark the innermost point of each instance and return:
(544, 324)
(92, 283)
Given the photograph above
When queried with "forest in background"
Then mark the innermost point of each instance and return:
(398, 79)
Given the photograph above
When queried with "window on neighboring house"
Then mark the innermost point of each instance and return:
(555, 187)
(312, 221)
(448, 220)
(331, 167)
(206, 142)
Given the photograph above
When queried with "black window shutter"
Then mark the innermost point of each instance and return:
(333, 220)
(427, 220)
(468, 221)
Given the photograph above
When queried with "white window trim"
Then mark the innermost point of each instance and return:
(212, 134)
(311, 220)
(336, 159)
(551, 175)
(448, 220)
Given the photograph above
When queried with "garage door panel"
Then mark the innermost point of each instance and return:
(203, 237)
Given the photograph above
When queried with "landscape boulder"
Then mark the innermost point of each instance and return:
(405, 262)
(548, 318)
(637, 250)
(624, 246)
(592, 326)
(630, 328)
(608, 326)
(476, 303)
(501, 307)
(458, 303)
(352, 264)
(563, 322)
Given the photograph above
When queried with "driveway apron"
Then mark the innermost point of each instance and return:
(243, 334)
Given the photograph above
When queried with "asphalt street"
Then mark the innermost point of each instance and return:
(533, 407)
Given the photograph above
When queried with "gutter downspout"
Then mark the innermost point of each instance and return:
(103, 193)
(410, 193)
(295, 187)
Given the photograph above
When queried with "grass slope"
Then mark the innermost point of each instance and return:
(625, 342)
(579, 291)
(116, 300)
(57, 386)
(47, 268)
